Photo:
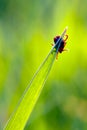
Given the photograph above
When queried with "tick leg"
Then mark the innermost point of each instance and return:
(66, 37)
(52, 44)
(57, 56)
(65, 49)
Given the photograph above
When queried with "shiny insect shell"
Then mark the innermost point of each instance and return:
(61, 46)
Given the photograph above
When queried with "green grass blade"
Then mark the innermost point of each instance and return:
(23, 110)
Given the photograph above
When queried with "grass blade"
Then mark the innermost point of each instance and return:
(27, 102)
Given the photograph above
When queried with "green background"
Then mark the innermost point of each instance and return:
(27, 29)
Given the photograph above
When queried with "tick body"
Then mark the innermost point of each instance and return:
(60, 42)
(60, 45)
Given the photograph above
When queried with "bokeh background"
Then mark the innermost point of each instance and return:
(27, 28)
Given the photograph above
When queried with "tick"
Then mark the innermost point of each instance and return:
(59, 43)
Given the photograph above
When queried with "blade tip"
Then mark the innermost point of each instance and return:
(66, 28)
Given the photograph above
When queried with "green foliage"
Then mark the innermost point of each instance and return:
(26, 31)
(22, 112)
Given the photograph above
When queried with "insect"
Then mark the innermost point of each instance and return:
(59, 43)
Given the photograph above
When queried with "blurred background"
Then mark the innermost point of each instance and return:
(27, 29)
